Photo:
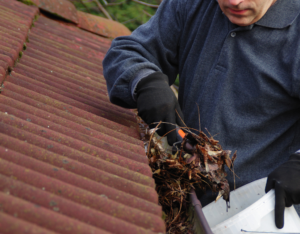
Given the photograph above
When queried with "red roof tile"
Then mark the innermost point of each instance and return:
(15, 22)
(12, 225)
(70, 161)
(61, 8)
(101, 26)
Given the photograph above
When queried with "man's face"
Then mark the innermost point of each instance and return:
(245, 12)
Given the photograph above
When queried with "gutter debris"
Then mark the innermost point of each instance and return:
(199, 164)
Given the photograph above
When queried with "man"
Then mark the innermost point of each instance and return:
(239, 61)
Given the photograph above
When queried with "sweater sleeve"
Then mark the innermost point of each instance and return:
(152, 46)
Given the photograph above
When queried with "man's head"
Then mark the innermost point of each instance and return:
(245, 12)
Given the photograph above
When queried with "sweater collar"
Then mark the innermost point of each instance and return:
(280, 15)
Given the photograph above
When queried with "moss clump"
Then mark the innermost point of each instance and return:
(28, 2)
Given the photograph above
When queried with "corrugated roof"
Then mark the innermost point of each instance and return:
(101, 26)
(70, 161)
(61, 8)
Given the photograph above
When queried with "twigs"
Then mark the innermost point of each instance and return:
(103, 9)
(146, 13)
(115, 3)
(146, 4)
(199, 164)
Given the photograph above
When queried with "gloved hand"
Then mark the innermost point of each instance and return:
(156, 102)
(286, 182)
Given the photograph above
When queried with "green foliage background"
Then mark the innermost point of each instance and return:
(127, 12)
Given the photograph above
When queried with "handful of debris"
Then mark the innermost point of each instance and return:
(197, 163)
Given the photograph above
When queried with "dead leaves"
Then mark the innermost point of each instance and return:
(199, 164)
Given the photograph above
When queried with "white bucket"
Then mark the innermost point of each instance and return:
(250, 210)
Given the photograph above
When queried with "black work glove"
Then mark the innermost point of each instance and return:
(286, 181)
(156, 102)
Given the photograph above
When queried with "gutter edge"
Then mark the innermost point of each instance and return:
(200, 223)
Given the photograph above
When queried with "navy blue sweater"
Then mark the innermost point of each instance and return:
(246, 80)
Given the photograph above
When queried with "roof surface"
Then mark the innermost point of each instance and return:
(70, 161)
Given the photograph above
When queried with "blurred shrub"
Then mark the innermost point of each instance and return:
(131, 13)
